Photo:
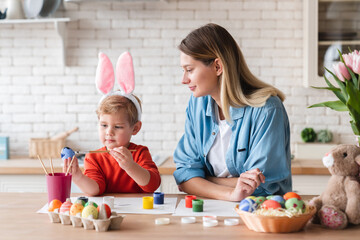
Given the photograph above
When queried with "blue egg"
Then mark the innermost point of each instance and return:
(248, 205)
(278, 198)
(66, 153)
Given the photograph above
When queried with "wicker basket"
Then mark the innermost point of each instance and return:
(45, 147)
(270, 224)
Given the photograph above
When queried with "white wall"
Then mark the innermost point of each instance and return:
(39, 97)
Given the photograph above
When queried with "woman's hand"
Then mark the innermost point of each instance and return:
(246, 184)
(74, 168)
(124, 157)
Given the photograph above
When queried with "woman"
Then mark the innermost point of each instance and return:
(237, 129)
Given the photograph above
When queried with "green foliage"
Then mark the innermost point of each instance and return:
(324, 136)
(308, 135)
(348, 93)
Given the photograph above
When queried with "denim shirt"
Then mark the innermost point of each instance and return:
(260, 139)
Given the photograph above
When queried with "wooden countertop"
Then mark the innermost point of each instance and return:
(19, 220)
(26, 166)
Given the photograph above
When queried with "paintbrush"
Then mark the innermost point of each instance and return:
(100, 151)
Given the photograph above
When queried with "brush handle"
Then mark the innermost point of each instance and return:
(103, 151)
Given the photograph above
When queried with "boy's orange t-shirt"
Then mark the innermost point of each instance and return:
(111, 178)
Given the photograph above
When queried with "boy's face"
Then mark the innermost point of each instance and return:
(115, 130)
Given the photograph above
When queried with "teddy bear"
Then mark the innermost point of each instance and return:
(339, 204)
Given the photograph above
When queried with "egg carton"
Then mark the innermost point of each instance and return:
(100, 225)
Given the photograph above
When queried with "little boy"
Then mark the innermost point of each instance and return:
(127, 168)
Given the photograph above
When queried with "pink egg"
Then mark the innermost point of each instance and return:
(65, 207)
(271, 204)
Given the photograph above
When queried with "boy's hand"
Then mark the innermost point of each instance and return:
(124, 157)
(74, 169)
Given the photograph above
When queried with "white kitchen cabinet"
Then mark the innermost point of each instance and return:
(329, 25)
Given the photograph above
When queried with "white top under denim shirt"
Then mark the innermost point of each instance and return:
(217, 152)
(260, 139)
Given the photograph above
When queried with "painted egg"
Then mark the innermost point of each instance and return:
(295, 203)
(91, 203)
(66, 153)
(104, 211)
(54, 204)
(279, 199)
(83, 199)
(271, 204)
(90, 210)
(76, 208)
(65, 207)
(269, 197)
(251, 197)
(79, 201)
(289, 195)
(248, 205)
(259, 200)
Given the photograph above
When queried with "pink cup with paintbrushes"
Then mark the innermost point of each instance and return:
(58, 186)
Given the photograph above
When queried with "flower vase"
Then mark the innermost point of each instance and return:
(15, 9)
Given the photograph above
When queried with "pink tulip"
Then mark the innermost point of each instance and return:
(356, 63)
(349, 60)
(341, 71)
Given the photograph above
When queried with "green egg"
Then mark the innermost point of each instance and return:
(82, 202)
(269, 197)
(259, 200)
(91, 203)
(295, 203)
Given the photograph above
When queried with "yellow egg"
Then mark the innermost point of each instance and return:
(90, 210)
(252, 197)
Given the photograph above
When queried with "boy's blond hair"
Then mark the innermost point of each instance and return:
(115, 103)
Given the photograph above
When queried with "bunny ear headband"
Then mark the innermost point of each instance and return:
(105, 78)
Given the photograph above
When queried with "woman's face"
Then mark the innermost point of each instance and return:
(201, 79)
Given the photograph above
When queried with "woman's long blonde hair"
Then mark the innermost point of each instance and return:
(239, 87)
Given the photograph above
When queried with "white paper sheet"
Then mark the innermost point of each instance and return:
(211, 207)
(131, 205)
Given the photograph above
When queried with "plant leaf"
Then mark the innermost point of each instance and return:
(354, 128)
(335, 105)
(328, 88)
(341, 85)
(354, 97)
(355, 116)
(338, 94)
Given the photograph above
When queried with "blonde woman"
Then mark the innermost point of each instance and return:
(237, 138)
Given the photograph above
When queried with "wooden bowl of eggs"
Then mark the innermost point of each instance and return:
(275, 214)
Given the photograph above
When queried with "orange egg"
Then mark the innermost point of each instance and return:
(54, 204)
(289, 195)
(271, 204)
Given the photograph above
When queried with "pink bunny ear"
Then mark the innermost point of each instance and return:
(125, 73)
(104, 74)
